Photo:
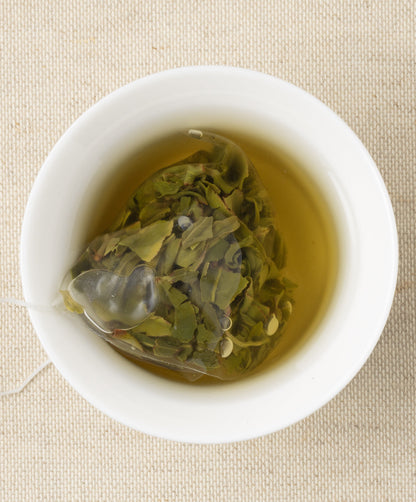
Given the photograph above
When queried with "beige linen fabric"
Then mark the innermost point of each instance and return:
(57, 59)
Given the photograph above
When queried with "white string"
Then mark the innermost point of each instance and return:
(21, 303)
(27, 381)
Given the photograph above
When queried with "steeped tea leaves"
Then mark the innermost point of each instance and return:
(190, 276)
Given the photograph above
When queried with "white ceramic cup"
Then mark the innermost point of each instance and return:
(83, 163)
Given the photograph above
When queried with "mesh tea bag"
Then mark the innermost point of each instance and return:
(190, 275)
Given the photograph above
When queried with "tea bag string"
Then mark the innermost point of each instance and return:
(22, 303)
(26, 382)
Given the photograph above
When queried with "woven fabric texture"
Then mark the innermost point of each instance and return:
(59, 58)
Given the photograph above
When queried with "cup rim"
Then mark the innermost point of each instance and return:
(257, 413)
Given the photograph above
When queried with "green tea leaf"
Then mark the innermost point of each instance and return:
(246, 321)
(264, 274)
(184, 204)
(210, 318)
(142, 196)
(166, 347)
(213, 199)
(197, 209)
(169, 255)
(110, 244)
(184, 352)
(234, 201)
(155, 210)
(200, 259)
(122, 220)
(125, 264)
(227, 287)
(209, 283)
(143, 339)
(175, 296)
(241, 286)
(206, 337)
(207, 359)
(222, 228)
(254, 340)
(258, 311)
(146, 243)
(242, 361)
(244, 236)
(257, 333)
(124, 340)
(185, 322)
(163, 187)
(219, 181)
(194, 194)
(182, 274)
(154, 326)
(233, 256)
(200, 231)
(192, 172)
(261, 234)
(187, 257)
(217, 251)
(130, 230)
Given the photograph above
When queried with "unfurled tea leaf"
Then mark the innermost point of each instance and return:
(241, 286)
(217, 251)
(234, 201)
(192, 172)
(185, 322)
(222, 228)
(206, 338)
(261, 234)
(187, 257)
(213, 199)
(200, 231)
(197, 210)
(258, 311)
(169, 255)
(163, 187)
(155, 326)
(218, 180)
(184, 352)
(209, 283)
(174, 295)
(166, 347)
(154, 211)
(184, 204)
(146, 243)
(110, 245)
(124, 340)
(226, 287)
(184, 275)
(207, 359)
(210, 318)
(233, 257)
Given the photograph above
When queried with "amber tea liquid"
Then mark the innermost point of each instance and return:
(302, 218)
